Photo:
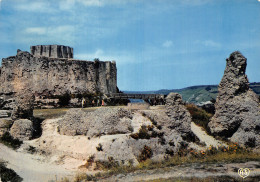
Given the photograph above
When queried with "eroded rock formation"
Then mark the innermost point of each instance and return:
(104, 121)
(22, 129)
(49, 75)
(178, 114)
(123, 134)
(237, 106)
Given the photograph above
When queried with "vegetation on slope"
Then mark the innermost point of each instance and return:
(199, 116)
(8, 174)
(9, 141)
(231, 154)
(198, 94)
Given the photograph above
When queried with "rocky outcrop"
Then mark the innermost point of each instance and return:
(22, 129)
(47, 77)
(23, 105)
(179, 116)
(237, 106)
(103, 121)
(52, 51)
(162, 132)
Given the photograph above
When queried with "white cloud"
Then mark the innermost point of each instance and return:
(63, 34)
(36, 6)
(99, 53)
(59, 30)
(121, 57)
(167, 43)
(209, 43)
(91, 2)
(195, 2)
(48, 6)
(36, 30)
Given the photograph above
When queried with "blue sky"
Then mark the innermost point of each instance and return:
(157, 44)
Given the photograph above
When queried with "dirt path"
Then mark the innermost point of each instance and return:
(32, 167)
(204, 137)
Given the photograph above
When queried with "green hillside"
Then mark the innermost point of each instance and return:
(197, 94)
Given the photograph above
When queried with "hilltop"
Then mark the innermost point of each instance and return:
(196, 94)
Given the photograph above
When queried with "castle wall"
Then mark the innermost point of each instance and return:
(52, 51)
(56, 76)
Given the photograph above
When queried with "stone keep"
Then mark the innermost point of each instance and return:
(52, 51)
(52, 75)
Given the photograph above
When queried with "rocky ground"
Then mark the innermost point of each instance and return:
(59, 156)
(214, 172)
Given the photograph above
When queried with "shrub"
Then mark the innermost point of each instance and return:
(8, 174)
(199, 116)
(64, 99)
(146, 153)
(130, 128)
(8, 140)
(105, 165)
(31, 149)
(80, 177)
(99, 147)
(142, 133)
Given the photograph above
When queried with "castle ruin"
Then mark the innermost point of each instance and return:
(50, 70)
(52, 51)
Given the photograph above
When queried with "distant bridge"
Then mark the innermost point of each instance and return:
(151, 98)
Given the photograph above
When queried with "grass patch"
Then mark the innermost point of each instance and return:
(231, 154)
(8, 174)
(9, 141)
(59, 112)
(49, 113)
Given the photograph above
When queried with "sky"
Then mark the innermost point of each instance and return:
(157, 44)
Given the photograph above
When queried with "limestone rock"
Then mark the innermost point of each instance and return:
(237, 106)
(108, 121)
(23, 107)
(7, 104)
(5, 125)
(179, 116)
(103, 121)
(163, 141)
(73, 123)
(22, 129)
(46, 76)
(121, 135)
(5, 113)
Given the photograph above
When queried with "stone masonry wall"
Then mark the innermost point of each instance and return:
(56, 76)
(52, 51)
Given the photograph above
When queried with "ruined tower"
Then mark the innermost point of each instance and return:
(52, 51)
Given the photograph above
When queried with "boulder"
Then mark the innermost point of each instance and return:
(237, 114)
(23, 107)
(22, 129)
